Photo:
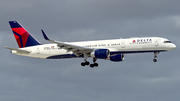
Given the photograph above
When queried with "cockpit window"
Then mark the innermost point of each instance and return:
(167, 41)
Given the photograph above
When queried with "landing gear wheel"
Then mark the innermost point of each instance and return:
(96, 64)
(86, 63)
(83, 64)
(155, 56)
(155, 60)
(92, 65)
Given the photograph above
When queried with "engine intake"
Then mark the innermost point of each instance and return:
(100, 53)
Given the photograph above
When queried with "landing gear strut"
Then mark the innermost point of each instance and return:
(85, 59)
(155, 56)
(91, 65)
(87, 63)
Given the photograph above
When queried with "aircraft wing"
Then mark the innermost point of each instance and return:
(18, 50)
(77, 50)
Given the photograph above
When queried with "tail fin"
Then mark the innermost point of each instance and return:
(22, 36)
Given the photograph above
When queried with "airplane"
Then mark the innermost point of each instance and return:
(112, 50)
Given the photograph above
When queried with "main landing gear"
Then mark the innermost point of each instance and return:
(84, 63)
(94, 64)
(155, 56)
(91, 65)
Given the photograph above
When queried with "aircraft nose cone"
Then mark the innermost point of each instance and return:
(173, 46)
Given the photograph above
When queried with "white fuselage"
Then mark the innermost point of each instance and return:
(116, 46)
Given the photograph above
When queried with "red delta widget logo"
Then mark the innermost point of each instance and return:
(142, 41)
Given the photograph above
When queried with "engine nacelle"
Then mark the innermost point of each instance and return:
(117, 58)
(100, 53)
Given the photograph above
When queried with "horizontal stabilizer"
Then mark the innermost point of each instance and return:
(18, 50)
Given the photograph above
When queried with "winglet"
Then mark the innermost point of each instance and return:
(45, 36)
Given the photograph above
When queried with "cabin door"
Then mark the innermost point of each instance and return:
(156, 43)
(123, 44)
(38, 50)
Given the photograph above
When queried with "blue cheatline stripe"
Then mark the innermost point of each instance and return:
(128, 52)
(63, 56)
(19, 37)
(111, 53)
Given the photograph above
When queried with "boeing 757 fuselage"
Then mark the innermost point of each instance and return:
(112, 50)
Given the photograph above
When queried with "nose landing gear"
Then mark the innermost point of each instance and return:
(155, 60)
(155, 56)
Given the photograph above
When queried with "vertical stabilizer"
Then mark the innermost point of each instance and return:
(22, 36)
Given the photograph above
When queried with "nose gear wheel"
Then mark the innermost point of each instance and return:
(155, 56)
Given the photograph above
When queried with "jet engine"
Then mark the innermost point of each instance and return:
(101, 53)
(117, 58)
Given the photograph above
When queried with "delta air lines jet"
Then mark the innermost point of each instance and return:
(112, 50)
